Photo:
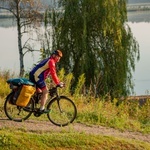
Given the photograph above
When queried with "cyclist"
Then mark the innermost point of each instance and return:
(41, 71)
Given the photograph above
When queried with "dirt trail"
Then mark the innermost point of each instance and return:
(46, 126)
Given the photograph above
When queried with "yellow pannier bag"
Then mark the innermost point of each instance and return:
(25, 94)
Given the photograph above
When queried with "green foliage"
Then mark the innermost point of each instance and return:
(140, 113)
(68, 81)
(13, 139)
(96, 42)
(79, 86)
(5, 141)
(4, 89)
(107, 113)
(46, 39)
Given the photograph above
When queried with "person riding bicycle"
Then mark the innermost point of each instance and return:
(41, 71)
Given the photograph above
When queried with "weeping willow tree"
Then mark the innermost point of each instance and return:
(97, 42)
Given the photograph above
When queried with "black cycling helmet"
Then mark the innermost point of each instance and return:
(58, 52)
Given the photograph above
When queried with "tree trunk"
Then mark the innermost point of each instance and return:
(20, 43)
(20, 51)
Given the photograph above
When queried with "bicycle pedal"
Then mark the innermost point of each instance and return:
(37, 114)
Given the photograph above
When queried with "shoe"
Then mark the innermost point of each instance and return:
(44, 111)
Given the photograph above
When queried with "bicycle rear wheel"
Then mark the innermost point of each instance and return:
(62, 111)
(17, 113)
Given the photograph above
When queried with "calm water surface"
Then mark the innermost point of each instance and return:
(9, 55)
(138, 22)
(142, 71)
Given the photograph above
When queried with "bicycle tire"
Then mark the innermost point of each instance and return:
(68, 108)
(17, 113)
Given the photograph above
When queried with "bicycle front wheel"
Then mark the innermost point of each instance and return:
(17, 113)
(62, 111)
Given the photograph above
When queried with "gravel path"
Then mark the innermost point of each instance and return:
(46, 126)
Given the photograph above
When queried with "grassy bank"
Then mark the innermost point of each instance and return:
(17, 140)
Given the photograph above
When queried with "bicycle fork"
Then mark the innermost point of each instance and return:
(58, 99)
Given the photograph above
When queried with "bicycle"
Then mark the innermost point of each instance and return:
(62, 109)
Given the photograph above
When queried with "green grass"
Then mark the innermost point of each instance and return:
(18, 140)
(123, 117)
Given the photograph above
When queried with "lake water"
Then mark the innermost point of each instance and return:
(9, 54)
(138, 22)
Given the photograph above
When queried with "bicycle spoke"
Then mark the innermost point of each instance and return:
(62, 114)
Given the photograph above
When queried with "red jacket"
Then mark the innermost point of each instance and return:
(44, 69)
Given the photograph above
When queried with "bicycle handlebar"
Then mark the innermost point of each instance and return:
(61, 84)
(53, 90)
